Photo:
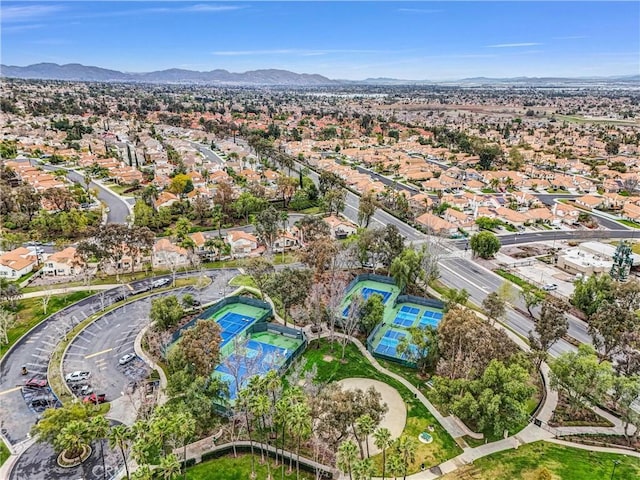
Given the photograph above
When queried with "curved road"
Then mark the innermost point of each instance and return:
(118, 208)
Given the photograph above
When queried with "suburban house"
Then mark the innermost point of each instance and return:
(242, 244)
(165, 199)
(340, 228)
(169, 255)
(631, 211)
(286, 241)
(17, 263)
(511, 216)
(436, 224)
(589, 201)
(63, 263)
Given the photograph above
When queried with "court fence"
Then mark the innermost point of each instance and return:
(211, 311)
(425, 302)
(369, 276)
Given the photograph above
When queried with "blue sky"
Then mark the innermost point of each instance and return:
(351, 40)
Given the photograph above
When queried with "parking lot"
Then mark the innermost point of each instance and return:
(99, 347)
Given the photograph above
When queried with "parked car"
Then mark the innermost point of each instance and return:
(126, 358)
(550, 286)
(95, 398)
(41, 402)
(161, 282)
(77, 376)
(36, 383)
(85, 390)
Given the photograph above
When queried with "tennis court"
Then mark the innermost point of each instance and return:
(367, 292)
(406, 316)
(233, 323)
(264, 351)
(389, 343)
(430, 318)
(366, 288)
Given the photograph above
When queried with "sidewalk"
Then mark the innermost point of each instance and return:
(62, 291)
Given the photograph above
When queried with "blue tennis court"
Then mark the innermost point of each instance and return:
(259, 358)
(430, 318)
(406, 316)
(233, 323)
(367, 292)
(389, 343)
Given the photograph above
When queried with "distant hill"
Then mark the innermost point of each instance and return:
(78, 72)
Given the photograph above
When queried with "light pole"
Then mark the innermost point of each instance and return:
(615, 464)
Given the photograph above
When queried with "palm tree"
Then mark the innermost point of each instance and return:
(282, 409)
(396, 466)
(217, 217)
(365, 426)
(300, 425)
(382, 440)
(347, 456)
(244, 402)
(169, 467)
(99, 427)
(260, 406)
(407, 447)
(363, 469)
(73, 438)
(119, 436)
(144, 472)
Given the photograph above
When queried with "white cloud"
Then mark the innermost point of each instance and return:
(514, 45)
(24, 13)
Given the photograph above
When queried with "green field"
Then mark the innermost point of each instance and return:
(330, 368)
(229, 468)
(564, 463)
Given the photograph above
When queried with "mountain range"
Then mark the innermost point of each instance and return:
(78, 72)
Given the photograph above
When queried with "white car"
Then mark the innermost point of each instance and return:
(77, 376)
(550, 286)
(126, 358)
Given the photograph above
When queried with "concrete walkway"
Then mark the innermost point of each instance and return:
(65, 290)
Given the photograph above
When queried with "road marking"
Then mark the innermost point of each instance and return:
(14, 389)
(466, 279)
(49, 343)
(75, 345)
(90, 332)
(98, 353)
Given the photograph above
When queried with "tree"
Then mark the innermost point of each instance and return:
(365, 426)
(300, 426)
(612, 327)
(495, 402)
(366, 208)
(247, 204)
(120, 437)
(321, 254)
(7, 321)
(494, 307)
(407, 448)
(395, 465)
(372, 312)
(99, 429)
(454, 298)
(467, 344)
(199, 347)
(224, 196)
(267, 226)
(334, 200)
(589, 293)
(290, 287)
(286, 187)
(626, 390)
(260, 270)
(392, 244)
(73, 438)
(181, 184)
(420, 347)
(347, 456)
(549, 328)
(9, 292)
(313, 228)
(406, 269)
(487, 155)
(581, 376)
(532, 297)
(53, 421)
(169, 467)
(382, 440)
(484, 244)
(166, 312)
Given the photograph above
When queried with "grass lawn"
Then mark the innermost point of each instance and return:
(4, 453)
(243, 281)
(229, 468)
(30, 314)
(311, 211)
(564, 463)
(517, 280)
(119, 189)
(418, 417)
(629, 223)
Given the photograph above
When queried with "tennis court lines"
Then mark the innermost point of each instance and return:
(232, 324)
(407, 316)
(389, 343)
(366, 292)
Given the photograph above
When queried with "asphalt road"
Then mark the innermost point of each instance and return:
(98, 348)
(207, 152)
(118, 209)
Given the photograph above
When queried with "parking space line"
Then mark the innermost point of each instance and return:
(97, 325)
(97, 353)
(42, 350)
(40, 356)
(90, 332)
(84, 338)
(14, 389)
(48, 343)
(75, 345)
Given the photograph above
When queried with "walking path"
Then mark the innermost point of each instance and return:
(62, 291)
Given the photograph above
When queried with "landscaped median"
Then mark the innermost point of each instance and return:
(55, 374)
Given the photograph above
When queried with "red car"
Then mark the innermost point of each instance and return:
(36, 383)
(95, 399)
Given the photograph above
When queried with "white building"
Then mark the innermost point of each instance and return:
(16, 263)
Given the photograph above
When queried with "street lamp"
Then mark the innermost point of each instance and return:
(615, 464)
